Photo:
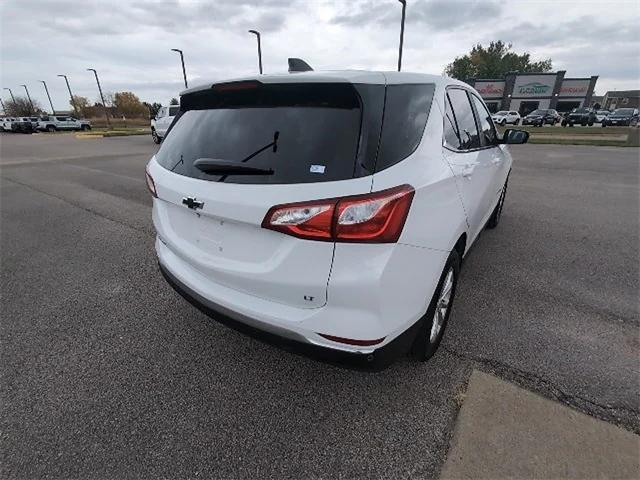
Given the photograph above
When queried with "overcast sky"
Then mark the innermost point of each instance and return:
(129, 42)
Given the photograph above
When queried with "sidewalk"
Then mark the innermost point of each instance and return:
(503, 431)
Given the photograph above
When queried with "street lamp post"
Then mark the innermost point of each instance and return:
(53, 110)
(33, 110)
(73, 102)
(184, 72)
(12, 97)
(404, 8)
(257, 34)
(4, 109)
(106, 114)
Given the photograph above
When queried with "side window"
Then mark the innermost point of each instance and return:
(467, 130)
(488, 131)
(173, 111)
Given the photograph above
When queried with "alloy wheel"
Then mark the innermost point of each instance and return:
(442, 307)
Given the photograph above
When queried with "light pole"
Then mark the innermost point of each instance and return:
(73, 102)
(404, 8)
(12, 97)
(4, 109)
(184, 72)
(33, 110)
(53, 110)
(257, 34)
(101, 96)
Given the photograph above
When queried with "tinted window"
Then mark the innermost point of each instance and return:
(488, 132)
(173, 111)
(318, 127)
(465, 121)
(405, 115)
(451, 138)
(61, 119)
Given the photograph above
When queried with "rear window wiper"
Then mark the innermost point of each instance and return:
(214, 166)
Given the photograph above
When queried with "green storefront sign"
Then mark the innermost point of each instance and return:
(533, 88)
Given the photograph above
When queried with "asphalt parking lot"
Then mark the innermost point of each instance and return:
(105, 372)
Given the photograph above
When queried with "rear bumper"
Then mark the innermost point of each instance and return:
(375, 359)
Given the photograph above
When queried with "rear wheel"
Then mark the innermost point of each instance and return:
(435, 320)
(84, 128)
(51, 128)
(494, 219)
(154, 135)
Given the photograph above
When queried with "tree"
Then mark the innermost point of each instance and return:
(81, 104)
(153, 108)
(494, 61)
(21, 107)
(174, 101)
(128, 104)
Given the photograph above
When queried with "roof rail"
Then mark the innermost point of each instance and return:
(298, 65)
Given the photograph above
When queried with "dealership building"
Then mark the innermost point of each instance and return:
(525, 92)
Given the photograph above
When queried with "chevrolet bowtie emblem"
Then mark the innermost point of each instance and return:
(192, 203)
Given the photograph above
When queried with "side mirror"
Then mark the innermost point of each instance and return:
(514, 137)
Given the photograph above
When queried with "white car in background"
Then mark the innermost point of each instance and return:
(504, 117)
(285, 203)
(601, 115)
(162, 121)
(52, 123)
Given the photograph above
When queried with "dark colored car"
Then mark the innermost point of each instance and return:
(581, 116)
(22, 125)
(539, 117)
(627, 117)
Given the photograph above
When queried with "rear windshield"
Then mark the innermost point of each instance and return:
(317, 128)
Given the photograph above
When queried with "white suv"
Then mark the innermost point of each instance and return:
(161, 123)
(331, 209)
(504, 117)
(51, 123)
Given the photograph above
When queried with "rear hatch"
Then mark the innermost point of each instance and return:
(305, 141)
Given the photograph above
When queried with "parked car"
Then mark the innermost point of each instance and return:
(622, 117)
(51, 123)
(601, 115)
(162, 121)
(288, 205)
(582, 116)
(504, 117)
(539, 117)
(5, 124)
(22, 125)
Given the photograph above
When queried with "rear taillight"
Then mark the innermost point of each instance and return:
(150, 184)
(373, 218)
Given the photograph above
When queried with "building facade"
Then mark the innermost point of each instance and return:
(621, 99)
(525, 92)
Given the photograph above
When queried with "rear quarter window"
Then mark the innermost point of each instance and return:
(405, 116)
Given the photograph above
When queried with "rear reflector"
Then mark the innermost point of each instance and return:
(350, 341)
(150, 183)
(371, 218)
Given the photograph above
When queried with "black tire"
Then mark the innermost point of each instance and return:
(564, 123)
(51, 128)
(604, 124)
(494, 219)
(591, 124)
(517, 122)
(424, 346)
(154, 135)
(84, 128)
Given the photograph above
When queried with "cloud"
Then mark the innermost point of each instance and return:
(438, 15)
(129, 41)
